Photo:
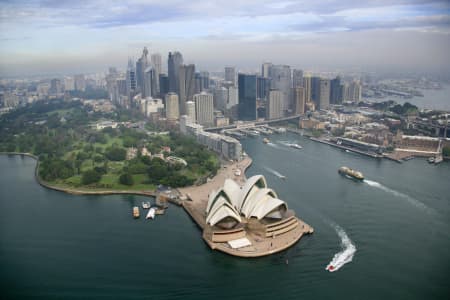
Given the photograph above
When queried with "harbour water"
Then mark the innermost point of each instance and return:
(388, 235)
(437, 99)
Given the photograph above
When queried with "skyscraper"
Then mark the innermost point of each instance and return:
(204, 109)
(174, 61)
(201, 82)
(172, 106)
(315, 90)
(262, 88)
(230, 75)
(141, 65)
(324, 94)
(336, 91)
(299, 100)
(247, 97)
(220, 98)
(149, 83)
(157, 65)
(265, 69)
(131, 80)
(307, 86)
(280, 79)
(297, 78)
(186, 87)
(163, 84)
(190, 111)
(274, 108)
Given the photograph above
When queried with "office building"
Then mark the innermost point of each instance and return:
(141, 65)
(274, 107)
(307, 87)
(297, 78)
(190, 111)
(298, 94)
(131, 80)
(186, 87)
(247, 97)
(230, 75)
(280, 79)
(324, 94)
(265, 69)
(220, 98)
(157, 66)
(262, 88)
(163, 84)
(174, 61)
(204, 109)
(336, 91)
(172, 106)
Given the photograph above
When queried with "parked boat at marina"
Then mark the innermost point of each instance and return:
(151, 213)
(146, 205)
(266, 140)
(135, 212)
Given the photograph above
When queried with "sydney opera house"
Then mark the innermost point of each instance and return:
(250, 220)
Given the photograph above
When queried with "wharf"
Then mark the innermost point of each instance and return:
(373, 155)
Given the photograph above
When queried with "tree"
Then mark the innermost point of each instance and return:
(126, 179)
(116, 153)
(90, 176)
(446, 151)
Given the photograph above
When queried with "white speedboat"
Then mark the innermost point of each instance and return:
(296, 146)
(146, 205)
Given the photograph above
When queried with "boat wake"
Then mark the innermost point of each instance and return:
(273, 145)
(410, 200)
(345, 255)
(278, 174)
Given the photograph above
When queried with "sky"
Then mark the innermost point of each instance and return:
(66, 36)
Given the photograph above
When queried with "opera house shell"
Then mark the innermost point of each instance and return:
(228, 206)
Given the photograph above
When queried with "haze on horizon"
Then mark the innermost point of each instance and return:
(38, 37)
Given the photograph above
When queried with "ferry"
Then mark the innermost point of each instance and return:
(145, 205)
(135, 212)
(351, 173)
(266, 141)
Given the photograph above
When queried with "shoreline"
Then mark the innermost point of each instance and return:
(75, 191)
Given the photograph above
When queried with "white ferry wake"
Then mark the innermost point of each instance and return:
(278, 174)
(344, 256)
(411, 200)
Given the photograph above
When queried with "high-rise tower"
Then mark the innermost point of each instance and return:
(174, 61)
(247, 97)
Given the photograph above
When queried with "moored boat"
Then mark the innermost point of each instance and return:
(351, 173)
(266, 141)
(135, 212)
(146, 205)
(151, 213)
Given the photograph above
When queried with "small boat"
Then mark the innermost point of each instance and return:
(146, 205)
(151, 213)
(351, 173)
(135, 212)
(296, 146)
(431, 160)
(330, 268)
(266, 141)
(237, 172)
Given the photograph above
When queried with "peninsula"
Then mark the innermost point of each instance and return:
(254, 230)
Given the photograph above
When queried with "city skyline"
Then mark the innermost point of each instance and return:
(42, 37)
